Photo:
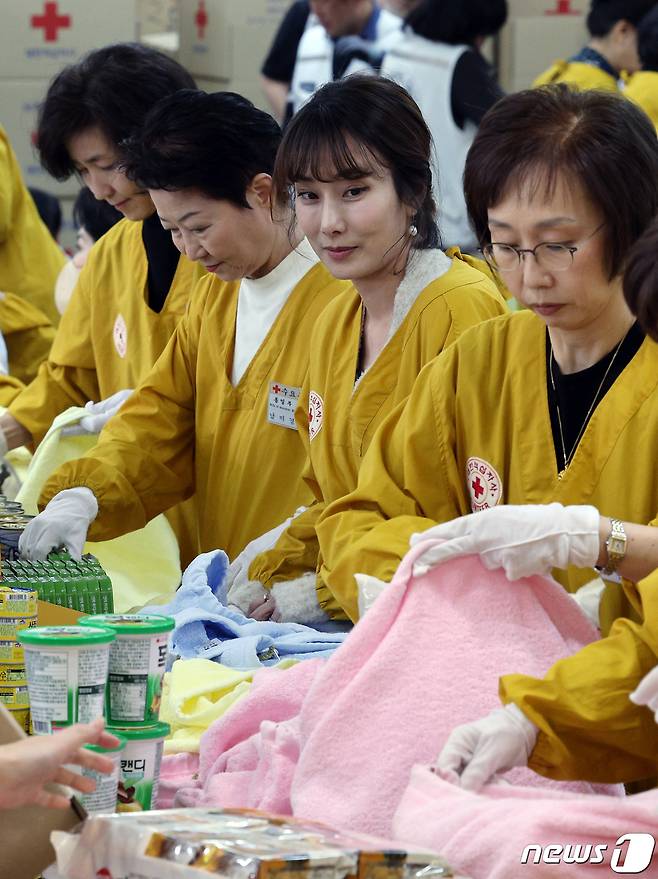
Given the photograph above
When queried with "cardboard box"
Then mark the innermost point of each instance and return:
(53, 615)
(519, 62)
(39, 37)
(26, 849)
(20, 100)
(228, 39)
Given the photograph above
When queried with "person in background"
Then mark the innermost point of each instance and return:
(135, 286)
(611, 50)
(216, 412)
(529, 423)
(49, 209)
(93, 218)
(279, 66)
(643, 85)
(358, 155)
(30, 259)
(438, 60)
(350, 36)
(27, 765)
(585, 719)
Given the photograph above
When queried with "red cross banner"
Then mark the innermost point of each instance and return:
(39, 37)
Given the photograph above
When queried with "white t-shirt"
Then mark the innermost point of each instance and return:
(260, 301)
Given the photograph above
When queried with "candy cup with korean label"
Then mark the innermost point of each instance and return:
(137, 664)
(67, 670)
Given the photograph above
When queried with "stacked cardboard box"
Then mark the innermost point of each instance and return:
(38, 38)
(536, 34)
(223, 42)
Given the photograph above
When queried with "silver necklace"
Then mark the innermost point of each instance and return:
(566, 459)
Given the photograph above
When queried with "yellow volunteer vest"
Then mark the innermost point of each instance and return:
(578, 75)
(342, 419)
(188, 426)
(30, 259)
(589, 728)
(476, 432)
(108, 339)
(642, 88)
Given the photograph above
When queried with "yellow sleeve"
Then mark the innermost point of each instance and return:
(296, 551)
(68, 377)
(10, 388)
(7, 188)
(28, 335)
(143, 462)
(408, 482)
(589, 728)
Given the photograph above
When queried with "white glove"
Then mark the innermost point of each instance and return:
(246, 594)
(476, 751)
(523, 540)
(297, 601)
(647, 692)
(64, 522)
(99, 414)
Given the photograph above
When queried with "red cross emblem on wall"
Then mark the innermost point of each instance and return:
(51, 21)
(563, 7)
(201, 20)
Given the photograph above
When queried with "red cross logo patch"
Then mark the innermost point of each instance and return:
(51, 22)
(201, 20)
(315, 414)
(483, 484)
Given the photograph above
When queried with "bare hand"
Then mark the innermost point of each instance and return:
(29, 764)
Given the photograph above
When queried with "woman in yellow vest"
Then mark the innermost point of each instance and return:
(135, 286)
(368, 211)
(611, 50)
(643, 85)
(216, 412)
(585, 719)
(549, 407)
(30, 259)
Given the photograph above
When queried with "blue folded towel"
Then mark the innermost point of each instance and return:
(207, 629)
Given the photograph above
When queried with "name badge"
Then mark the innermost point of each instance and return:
(281, 405)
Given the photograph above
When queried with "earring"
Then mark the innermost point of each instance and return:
(413, 230)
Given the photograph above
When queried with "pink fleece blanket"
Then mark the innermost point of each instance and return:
(489, 835)
(339, 744)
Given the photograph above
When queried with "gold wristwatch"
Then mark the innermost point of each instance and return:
(615, 547)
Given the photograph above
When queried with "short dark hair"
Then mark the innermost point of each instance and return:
(387, 127)
(647, 40)
(446, 21)
(604, 14)
(641, 281)
(216, 143)
(111, 88)
(598, 139)
(95, 216)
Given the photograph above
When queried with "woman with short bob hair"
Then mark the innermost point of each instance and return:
(534, 420)
(357, 160)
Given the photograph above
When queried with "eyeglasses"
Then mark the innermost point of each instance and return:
(549, 256)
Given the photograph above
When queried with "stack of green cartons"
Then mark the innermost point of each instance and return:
(83, 586)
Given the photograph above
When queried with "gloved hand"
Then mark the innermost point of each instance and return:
(99, 414)
(291, 601)
(647, 692)
(476, 751)
(523, 540)
(64, 522)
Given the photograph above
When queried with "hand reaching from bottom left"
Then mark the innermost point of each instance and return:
(29, 764)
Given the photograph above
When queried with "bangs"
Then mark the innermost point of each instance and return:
(318, 149)
(536, 179)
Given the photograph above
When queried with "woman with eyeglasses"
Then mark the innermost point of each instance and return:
(543, 422)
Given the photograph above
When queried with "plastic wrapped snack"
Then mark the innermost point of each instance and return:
(233, 844)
